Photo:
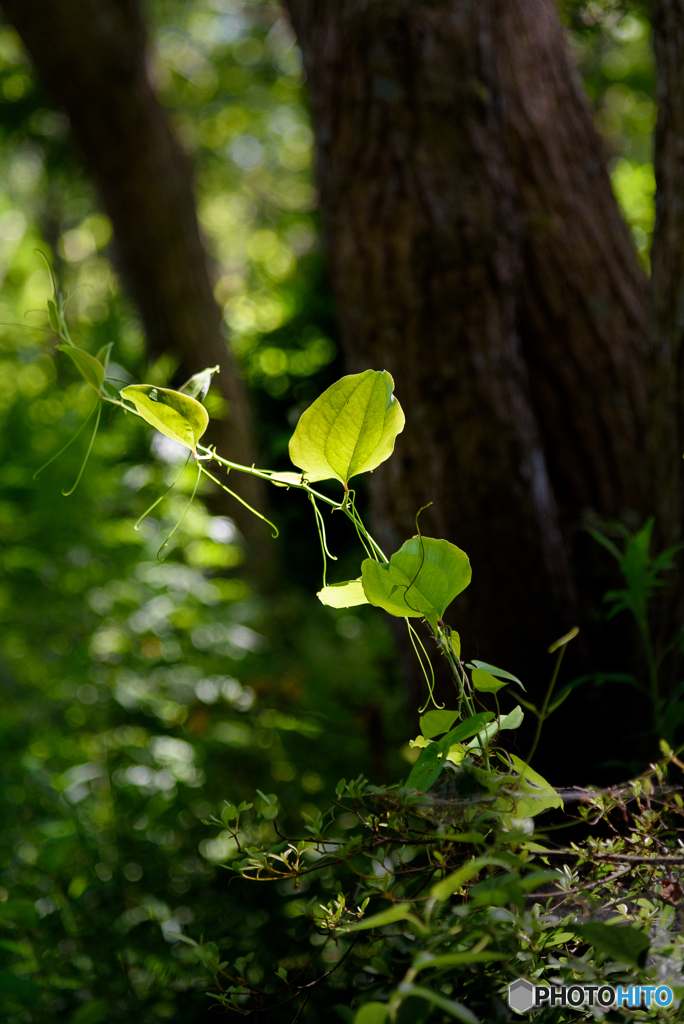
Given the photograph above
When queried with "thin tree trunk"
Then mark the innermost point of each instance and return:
(91, 56)
(477, 252)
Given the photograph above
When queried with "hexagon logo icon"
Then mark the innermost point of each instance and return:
(520, 995)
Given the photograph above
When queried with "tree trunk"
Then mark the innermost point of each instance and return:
(478, 253)
(91, 56)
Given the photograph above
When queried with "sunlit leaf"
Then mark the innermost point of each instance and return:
(436, 722)
(485, 681)
(421, 579)
(349, 429)
(456, 753)
(177, 416)
(343, 595)
(513, 719)
(53, 316)
(399, 912)
(452, 883)
(89, 368)
(198, 385)
(500, 673)
(428, 767)
(538, 796)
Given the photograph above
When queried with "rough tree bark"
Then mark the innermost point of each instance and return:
(478, 253)
(91, 56)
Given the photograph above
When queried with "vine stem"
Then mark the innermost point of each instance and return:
(541, 717)
(348, 506)
(270, 475)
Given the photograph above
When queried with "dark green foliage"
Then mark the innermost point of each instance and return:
(437, 908)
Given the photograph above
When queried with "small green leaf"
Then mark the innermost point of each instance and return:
(268, 798)
(484, 736)
(500, 673)
(620, 942)
(513, 719)
(434, 723)
(566, 690)
(454, 959)
(89, 368)
(343, 595)
(536, 878)
(455, 881)
(428, 767)
(228, 813)
(485, 681)
(372, 1013)
(53, 316)
(198, 385)
(177, 416)
(564, 639)
(398, 912)
(421, 579)
(456, 1010)
(538, 794)
(103, 355)
(467, 728)
(349, 429)
(455, 641)
(94, 1012)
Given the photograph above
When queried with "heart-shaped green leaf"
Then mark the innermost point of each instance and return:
(177, 416)
(500, 673)
(513, 719)
(343, 595)
(540, 794)
(89, 368)
(421, 579)
(349, 429)
(486, 682)
(428, 767)
(434, 723)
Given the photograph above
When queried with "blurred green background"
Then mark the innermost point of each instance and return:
(139, 695)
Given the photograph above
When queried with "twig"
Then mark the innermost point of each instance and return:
(633, 858)
(584, 888)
